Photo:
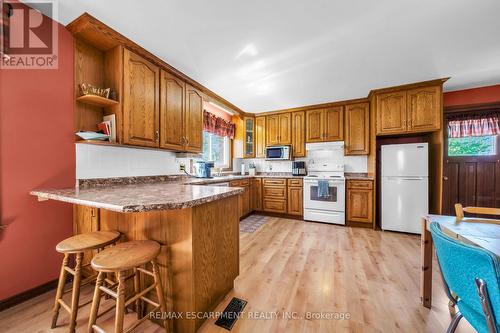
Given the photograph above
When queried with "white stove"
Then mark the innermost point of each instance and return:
(324, 192)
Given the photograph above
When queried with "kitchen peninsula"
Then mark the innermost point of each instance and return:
(197, 227)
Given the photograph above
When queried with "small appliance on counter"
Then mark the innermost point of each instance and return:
(203, 169)
(299, 168)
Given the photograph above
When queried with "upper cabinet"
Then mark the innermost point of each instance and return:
(279, 129)
(140, 101)
(424, 109)
(249, 143)
(325, 124)
(260, 136)
(357, 129)
(172, 102)
(298, 134)
(193, 123)
(409, 110)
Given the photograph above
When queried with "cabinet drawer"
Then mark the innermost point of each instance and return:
(274, 192)
(362, 184)
(295, 182)
(240, 183)
(277, 206)
(274, 181)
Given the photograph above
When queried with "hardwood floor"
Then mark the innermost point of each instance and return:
(289, 266)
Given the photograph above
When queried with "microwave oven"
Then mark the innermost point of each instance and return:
(274, 153)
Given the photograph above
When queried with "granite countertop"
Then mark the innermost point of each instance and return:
(359, 176)
(140, 197)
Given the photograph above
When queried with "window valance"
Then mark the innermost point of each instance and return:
(481, 125)
(217, 125)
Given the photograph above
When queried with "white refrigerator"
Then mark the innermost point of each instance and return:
(405, 186)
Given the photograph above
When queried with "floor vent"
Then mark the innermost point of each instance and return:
(231, 313)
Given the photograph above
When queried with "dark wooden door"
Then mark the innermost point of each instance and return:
(470, 180)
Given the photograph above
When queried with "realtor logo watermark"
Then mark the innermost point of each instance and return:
(29, 35)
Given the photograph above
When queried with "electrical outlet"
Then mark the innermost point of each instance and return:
(182, 167)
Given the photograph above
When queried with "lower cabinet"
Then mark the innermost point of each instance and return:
(245, 199)
(295, 200)
(257, 194)
(359, 204)
(274, 195)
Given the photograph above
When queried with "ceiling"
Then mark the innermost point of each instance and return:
(265, 55)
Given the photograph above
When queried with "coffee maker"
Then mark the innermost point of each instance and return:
(299, 168)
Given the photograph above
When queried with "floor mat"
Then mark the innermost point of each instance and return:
(252, 223)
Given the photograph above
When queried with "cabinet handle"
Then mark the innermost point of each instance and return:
(157, 136)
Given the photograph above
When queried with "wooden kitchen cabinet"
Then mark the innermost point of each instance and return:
(424, 109)
(141, 115)
(274, 195)
(357, 129)
(409, 111)
(257, 194)
(249, 139)
(359, 205)
(245, 198)
(298, 134)
(260, 136)
(323, 125)
(193, 123)
(391, 113)
(295, 197)
(172, 102)
(86, 219)
(279, 129)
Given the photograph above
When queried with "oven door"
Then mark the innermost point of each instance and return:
(335, 201)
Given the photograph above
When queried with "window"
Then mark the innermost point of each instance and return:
(217, 149)
(472, 146)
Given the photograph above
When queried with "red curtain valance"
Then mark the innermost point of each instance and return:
(474, 126)
(217, 125)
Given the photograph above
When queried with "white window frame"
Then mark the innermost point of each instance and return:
(226, 154)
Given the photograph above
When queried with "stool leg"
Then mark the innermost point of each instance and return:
(76, 292)
(120, 303)
(96, 301)
(159, 293)
(137, 289)
(60, 288)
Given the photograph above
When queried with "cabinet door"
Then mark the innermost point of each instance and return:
(257, 194)
(260, 136)
(360, 205)
(424, 109)
(172, 100)
(140, 101)
(391, 113)
(272, 130)
(86, 219)
(193, 120)
(333, 124)
(298, 134)
(357, 129)
(249, 143)
(285, 129)
(314, 125)
(295, 201)
(246, 201)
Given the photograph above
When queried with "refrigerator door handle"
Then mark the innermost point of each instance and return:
(414, 178)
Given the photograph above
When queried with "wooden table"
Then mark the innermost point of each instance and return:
(481, 232)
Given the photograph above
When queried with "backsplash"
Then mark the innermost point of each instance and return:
(351, 164)
(93, 161)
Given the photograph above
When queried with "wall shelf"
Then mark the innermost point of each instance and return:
(96, 100)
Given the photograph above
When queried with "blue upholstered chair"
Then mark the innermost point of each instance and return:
(473, 275)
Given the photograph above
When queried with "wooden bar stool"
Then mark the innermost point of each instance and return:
(119, 259)
(77, 245)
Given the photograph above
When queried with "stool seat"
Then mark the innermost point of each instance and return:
(87, 241)
(126, 256)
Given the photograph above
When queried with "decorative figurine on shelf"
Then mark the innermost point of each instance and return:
(88, 89)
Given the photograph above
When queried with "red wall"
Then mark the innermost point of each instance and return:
(480, 95)
(36, 150)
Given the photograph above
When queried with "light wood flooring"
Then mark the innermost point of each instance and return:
(294, 267)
